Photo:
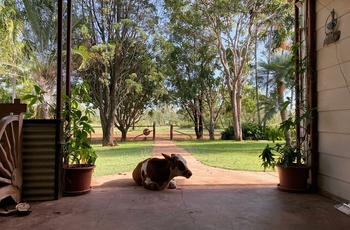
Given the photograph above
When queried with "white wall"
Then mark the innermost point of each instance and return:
(333, 86)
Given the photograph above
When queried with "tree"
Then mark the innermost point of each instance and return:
(192, 68)
(41, 33)
(234, 23)
(281, 70)
(143, 87)
(277, 34)
(14, 52)
(213, 98)
(120, 31)
(249, 111)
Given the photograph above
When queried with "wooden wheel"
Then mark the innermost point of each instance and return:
(11, 157)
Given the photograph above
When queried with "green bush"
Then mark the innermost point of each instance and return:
(252, 131)
(228, 134)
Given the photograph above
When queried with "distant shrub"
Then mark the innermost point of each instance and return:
(252, 131)
(228, 134)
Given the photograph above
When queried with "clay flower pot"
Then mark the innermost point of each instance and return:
(78, 179)
(293, 178)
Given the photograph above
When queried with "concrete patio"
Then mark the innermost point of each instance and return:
(211, 199)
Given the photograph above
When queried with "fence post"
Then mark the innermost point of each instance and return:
(154, 130)
(171, 132)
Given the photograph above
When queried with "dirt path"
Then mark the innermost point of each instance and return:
(202, 174)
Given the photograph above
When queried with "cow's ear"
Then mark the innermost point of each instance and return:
(166, 156)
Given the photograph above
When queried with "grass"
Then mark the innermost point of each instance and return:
(217, 153)
(121, 158)
(227, 154)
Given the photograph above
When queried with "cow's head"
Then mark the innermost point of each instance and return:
(178, 165)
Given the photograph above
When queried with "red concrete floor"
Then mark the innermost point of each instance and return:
(211, 199)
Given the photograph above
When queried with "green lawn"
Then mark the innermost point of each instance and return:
(121, 158)
(218, 153)
(227, 154)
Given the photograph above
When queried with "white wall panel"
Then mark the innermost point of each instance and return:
(334, 144)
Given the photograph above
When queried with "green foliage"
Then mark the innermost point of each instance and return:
(268, 158)
(287, 154)
(280, 71)
(78, 128)
(275, 133)
(35, 100)
(14, 52)
(123, 63)
(228, 134)
(253, 131)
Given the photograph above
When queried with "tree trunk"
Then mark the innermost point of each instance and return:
(108, 132)
(232, 89)
(287, 134)
(236, 108)
(239, 110)
(212, 130)
(124, 133)
(195, 122)
(256, 77)
(200, 129)
(201, 120)
(283, 113)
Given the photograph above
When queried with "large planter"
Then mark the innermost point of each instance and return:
(77, 179)
(293, 178)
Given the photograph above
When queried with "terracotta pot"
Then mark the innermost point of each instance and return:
(78, 179)
(293, 178)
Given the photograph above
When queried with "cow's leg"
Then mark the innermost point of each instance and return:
(149, 184)
(172, 184)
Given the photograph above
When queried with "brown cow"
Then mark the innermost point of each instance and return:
(157, 174)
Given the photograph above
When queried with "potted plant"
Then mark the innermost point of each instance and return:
(290, 158)
(78, 155)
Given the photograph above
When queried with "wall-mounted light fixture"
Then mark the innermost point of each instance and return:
(331, 29)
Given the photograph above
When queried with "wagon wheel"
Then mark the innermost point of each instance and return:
(10, 157)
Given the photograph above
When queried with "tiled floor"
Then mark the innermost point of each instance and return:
(211, 199)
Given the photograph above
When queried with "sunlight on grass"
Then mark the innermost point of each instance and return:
(227, 154)
(218, 153)
(122, 158)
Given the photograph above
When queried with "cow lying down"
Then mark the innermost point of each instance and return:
(158, 174)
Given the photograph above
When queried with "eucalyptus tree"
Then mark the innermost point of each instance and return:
(121, 71)
(192, 67)
(233, 23)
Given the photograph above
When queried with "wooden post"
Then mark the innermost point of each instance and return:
(171, 132)
(16, 108)
(154, 130)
